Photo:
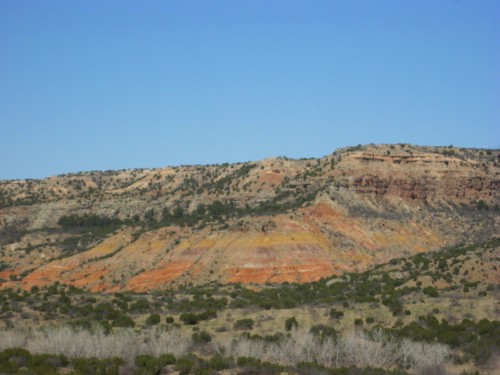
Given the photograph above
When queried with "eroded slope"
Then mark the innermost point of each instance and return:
(270, 221)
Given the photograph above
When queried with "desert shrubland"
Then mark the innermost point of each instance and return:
(355, 349)
(75, 342)
(282, 326)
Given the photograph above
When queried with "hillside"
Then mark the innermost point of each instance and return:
(269, 221)
(432, 313)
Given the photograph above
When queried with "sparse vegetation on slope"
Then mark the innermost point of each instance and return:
(313, 266)
(380, 201)
(329, 325)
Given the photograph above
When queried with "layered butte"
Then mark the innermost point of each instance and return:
(277, 220)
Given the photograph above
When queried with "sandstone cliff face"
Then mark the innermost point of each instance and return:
(271, 221)
(427, 177)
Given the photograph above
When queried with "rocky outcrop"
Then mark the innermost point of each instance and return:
(427, 177)
(271, 221)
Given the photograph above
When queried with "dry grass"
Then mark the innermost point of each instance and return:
(125, 343)
(353, 349)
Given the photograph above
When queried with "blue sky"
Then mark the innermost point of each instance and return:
(98, 85)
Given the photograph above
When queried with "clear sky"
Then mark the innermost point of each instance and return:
(97, 85)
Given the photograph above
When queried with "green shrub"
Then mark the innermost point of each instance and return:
(218, 363)
(153, 320)
(87, 220)
(189, 318)
(394, 304)
(311, 368)
(91, 366)
(147, 364)
(140, 305)
(123, 321)
(192, 319)
(251, 365)
(7, 354)
(51, 360)
(9, 367)
(12, 359)
(201, 337)
(244, 324)
(208, 314)
(336, 314)
(430, 291)
(184, 365)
